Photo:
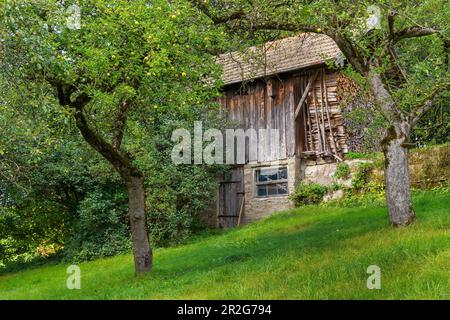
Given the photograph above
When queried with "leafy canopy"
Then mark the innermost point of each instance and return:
(152, 53)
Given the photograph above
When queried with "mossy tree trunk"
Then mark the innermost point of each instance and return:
(397, 181)
(123, 164)
(395, 146)
(138, 223)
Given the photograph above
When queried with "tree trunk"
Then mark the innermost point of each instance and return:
(398, 192)
(134, 180)
(138, 224)
(395, 147)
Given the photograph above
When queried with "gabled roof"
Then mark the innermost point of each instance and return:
(289, 54)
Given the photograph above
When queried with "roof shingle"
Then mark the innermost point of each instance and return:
(289, 54)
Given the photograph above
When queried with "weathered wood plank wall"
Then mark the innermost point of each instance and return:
(271, 104)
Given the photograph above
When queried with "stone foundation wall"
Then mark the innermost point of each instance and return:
(257, 208)
(323, 173)
(298, 170)
(428, 168)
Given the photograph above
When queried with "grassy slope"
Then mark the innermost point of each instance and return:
(308, 253)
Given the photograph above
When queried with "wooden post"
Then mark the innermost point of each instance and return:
(319, 134)
(299, 108)
(308, 116)
(305, 114)
(241, 210)
(305, 94)
(333, 140)
(325, 140)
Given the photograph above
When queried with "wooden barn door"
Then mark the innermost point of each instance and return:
(231, 198)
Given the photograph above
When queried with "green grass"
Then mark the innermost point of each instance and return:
(307, 253)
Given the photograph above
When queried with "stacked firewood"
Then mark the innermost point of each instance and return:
(326, 134)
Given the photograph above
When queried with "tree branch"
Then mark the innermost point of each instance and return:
(282, 26)
(413, 32)
(199, 4)
(423, 107)
(396, 64)
(383, 98)
(255, 24)
(120, 162)
(350, 53)
(114, 156)
(120, 123)
(391, 44)
(391, 18)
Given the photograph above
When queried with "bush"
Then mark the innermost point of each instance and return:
(357, 155)
(361, 177)
(166, 224)
(176, 198)
(364, 199)
(29, 232)
(308, 193)
(101, 229)
(75, 206)
(342, 171)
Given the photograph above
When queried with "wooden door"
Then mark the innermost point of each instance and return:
(231, 197)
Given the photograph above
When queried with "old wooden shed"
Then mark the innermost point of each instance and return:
(283, 85)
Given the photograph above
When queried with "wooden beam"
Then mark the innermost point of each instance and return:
(241, 210)
(305, 93)
(305, 126)
(322, 127)
(309, 129)
(316, 113)
(333, 140)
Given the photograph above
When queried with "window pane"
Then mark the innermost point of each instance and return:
(269, 177)
(261, 191)
(272, 189)
(271, 174)
(260, 177)
(282, 173)
(282, 188)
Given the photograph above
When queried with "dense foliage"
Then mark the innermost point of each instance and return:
(57, 193)
(69, 199)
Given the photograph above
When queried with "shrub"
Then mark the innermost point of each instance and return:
(357, 155)
(25, 231)
(335, 187)
(342, 171)
(167, 225)
(101, 229)
(362, 175)
(176, 198)
(365, 199)
(308, 193)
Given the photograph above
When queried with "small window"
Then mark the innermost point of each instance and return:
(271, 182)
